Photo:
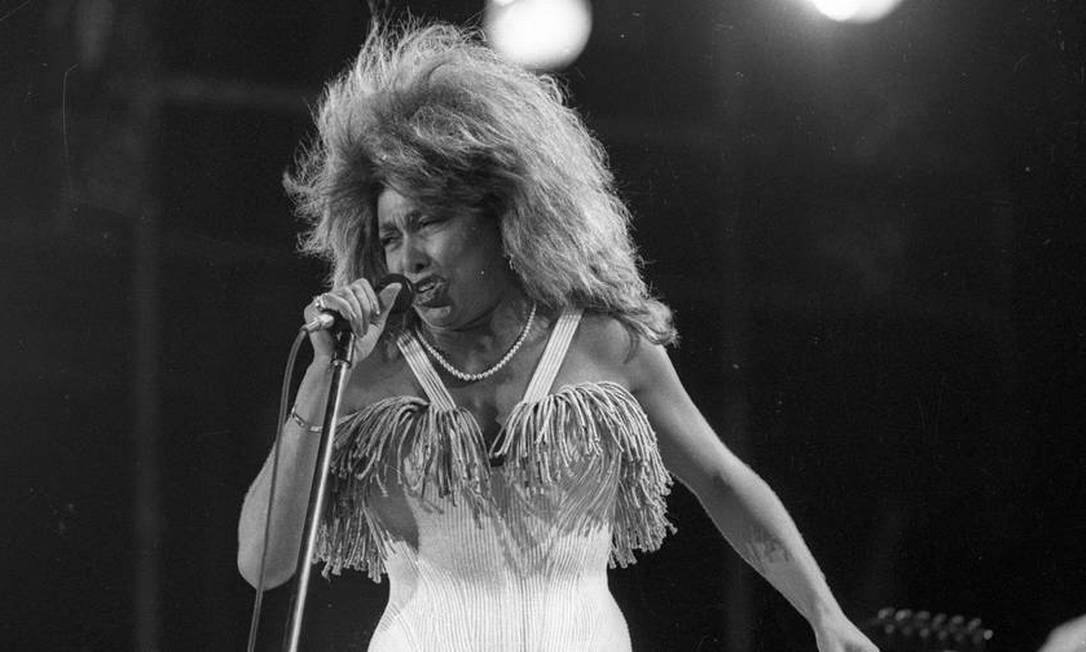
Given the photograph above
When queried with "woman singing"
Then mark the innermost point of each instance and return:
(516, 433)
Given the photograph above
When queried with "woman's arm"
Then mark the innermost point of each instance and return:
(743, 507)
(297, 458)
(358, 304)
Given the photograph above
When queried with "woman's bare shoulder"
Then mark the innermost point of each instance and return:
(616, 351)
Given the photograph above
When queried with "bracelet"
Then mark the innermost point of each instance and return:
(297, 418)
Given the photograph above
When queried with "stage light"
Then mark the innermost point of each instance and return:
(538, 34)
(855, 11)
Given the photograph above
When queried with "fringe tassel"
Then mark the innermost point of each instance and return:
(543, 440)
(546, 443)
(405, 440)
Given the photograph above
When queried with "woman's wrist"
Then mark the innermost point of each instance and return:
(302, 422)
(321, 363)
(826, 614)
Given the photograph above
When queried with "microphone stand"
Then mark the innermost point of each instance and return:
(341, 362)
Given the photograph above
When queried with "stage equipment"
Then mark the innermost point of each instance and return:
(538, 34)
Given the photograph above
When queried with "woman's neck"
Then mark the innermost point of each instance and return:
(486, 337)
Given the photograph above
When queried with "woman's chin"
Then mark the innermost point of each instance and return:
(438, 316)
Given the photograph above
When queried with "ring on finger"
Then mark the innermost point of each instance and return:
(318, 302)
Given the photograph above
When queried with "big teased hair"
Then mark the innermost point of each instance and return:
(434, 113)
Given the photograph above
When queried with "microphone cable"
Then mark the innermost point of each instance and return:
(284, 396)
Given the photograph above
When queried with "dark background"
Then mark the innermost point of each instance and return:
(870, 235)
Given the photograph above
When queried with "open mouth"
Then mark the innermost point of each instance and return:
(428, 291)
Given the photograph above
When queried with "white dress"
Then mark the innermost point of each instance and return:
(505, 558)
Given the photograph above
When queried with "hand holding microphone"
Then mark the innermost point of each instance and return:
(359, 306)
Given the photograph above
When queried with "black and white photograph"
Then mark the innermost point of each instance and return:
(544, 325)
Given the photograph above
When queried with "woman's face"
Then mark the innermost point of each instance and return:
(455, 261)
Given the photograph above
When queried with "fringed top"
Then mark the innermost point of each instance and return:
(581, 459)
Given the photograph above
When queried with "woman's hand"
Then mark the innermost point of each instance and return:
(838, 634)
(364, 310)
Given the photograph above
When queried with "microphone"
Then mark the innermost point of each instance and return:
(404, 298)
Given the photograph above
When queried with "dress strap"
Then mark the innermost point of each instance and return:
(425, 373)
(553, 355)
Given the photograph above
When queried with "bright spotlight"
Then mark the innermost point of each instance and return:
(855, 11)
(538, 34)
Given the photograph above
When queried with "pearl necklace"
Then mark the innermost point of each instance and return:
(486, 373)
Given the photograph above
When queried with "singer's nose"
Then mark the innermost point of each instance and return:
(411, 259)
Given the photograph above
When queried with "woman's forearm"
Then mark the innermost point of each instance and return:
(754, 521)
(297, 457)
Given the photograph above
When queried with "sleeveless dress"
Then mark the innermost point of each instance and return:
(507, 549)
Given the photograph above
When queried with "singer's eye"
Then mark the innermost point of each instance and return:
(388, 240)
(423, 221)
